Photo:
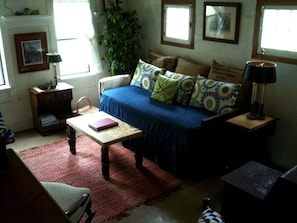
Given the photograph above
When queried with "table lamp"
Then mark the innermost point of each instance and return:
(53, 58)
(259, 73)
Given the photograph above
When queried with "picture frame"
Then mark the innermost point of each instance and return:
(30, 51)
(221, 21)
(107, 5)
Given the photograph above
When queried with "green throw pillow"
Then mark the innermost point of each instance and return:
(165, 89)
(215, 96)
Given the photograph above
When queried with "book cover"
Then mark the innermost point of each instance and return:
(102, 124)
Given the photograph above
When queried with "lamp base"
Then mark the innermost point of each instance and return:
(256, 112)
(255, 116)
(47, 86)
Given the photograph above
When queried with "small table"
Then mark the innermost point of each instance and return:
(105, 137)
(247, 139)
(245, 191)
(56, 102)
(248, 125)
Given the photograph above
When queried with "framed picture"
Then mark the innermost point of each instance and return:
(221, 21)
(30, 50)
(108, 2)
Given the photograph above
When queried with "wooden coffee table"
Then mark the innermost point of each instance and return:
(105, 137)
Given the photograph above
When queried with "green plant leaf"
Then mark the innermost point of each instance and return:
(121, 36)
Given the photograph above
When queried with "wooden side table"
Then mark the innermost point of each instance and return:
(56, 102)
(247, 140)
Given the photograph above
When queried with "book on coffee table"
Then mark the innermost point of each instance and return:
(101, 124)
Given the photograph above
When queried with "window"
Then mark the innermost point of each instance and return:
(2, 82)
(276, 31)
(3, 74)
(75, 38)
(178, 23)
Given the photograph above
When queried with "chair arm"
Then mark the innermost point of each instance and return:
(78, 204)
(113, 82)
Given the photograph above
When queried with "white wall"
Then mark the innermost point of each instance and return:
(15, 102)
(280, 98)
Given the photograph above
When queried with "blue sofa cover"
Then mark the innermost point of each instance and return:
(171, 132)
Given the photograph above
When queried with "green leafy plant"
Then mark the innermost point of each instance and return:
(121, 37)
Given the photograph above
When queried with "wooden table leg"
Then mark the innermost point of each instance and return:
(138, 153)
(105, 162)
(71, 139)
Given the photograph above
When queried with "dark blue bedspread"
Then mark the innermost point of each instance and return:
(170, 131)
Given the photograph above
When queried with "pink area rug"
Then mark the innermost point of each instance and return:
(127, 188)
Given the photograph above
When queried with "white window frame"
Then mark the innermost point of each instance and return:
(87, 62)
(4, 83)
(189, 5)
(281, 55)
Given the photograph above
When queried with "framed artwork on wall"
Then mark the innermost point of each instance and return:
(30, 50)
(221, 21)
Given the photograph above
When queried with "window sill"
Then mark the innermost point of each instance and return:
(75, 76)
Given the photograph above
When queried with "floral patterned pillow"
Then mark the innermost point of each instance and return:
(215, 96)
(145, 75)
(185, 86)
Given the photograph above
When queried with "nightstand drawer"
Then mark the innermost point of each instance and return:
(47, 98)
(64, 95)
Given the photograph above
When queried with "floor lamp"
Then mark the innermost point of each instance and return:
(259, 73)
(54, 58)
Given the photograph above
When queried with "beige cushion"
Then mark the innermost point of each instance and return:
(191, 68)
(229, 74)
(159, 60)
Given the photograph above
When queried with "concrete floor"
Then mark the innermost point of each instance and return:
(182, 206)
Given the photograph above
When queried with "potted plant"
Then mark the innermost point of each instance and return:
(121, 37)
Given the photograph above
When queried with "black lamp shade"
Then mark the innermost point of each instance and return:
(53, 58)
(260, 72)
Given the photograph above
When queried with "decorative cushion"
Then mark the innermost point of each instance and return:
(229, 74)
(214, 95)
(167, 62)
(165, 89)
(210, 216)
(185, 86)
(145, 75)
(190, 68)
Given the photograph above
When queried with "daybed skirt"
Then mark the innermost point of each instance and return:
(171, 132)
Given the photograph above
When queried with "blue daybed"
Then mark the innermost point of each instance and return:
(179, 138)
